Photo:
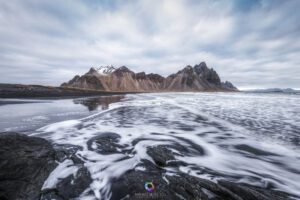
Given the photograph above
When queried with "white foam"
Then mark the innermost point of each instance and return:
(62, 171)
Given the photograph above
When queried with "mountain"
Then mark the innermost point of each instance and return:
(275, 90)
(197, 78)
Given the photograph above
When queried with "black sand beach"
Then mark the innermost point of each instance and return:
(38, 91)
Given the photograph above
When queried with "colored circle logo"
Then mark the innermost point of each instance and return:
(149, 186)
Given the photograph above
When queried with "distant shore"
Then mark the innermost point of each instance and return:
(39, 91)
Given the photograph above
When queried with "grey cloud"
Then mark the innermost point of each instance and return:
(251, 43)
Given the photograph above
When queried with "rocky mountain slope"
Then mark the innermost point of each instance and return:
(197, 78)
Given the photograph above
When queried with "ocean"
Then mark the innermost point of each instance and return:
(251, 138)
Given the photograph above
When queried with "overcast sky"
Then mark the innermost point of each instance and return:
(252, 43)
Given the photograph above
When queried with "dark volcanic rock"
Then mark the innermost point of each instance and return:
(179, 186)
(182, 186)
(164, 155)
(51, 195)
(25, 163)
(73, 185)
(70, 187)
(66, 151)
(105, 143)
(160, 154)
(247, 192)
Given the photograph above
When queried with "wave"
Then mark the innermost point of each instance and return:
(206, 133)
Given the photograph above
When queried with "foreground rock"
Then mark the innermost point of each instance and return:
(180, 186)
(73, 185)
(70, 187)
(25, 163)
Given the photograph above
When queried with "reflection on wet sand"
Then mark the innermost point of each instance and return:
(94, 102)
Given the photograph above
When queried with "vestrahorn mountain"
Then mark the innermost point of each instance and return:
(197, 78)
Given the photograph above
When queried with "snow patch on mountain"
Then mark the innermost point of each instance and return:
(105, 70)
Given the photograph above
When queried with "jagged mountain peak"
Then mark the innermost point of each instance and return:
(155, 77)
(203, 64)
(102, 70)
(186, 70)
(228, 85)
(201, 68)
(206, 73)
(92, 71)
(122, 70)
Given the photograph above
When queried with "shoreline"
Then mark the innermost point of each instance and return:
(15, 91)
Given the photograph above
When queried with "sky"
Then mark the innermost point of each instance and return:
(252, 43)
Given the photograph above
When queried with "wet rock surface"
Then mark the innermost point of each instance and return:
(180, 185)
(161, 155)
(183, 186)
(73, 185)
(25, 163)
(66, 151)
(70, 187)
(105, 143)
(164, 155)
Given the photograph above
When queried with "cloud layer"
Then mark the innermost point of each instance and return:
(253, 43)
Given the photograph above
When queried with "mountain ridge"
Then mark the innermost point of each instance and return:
(197, 78)
(274, 90)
